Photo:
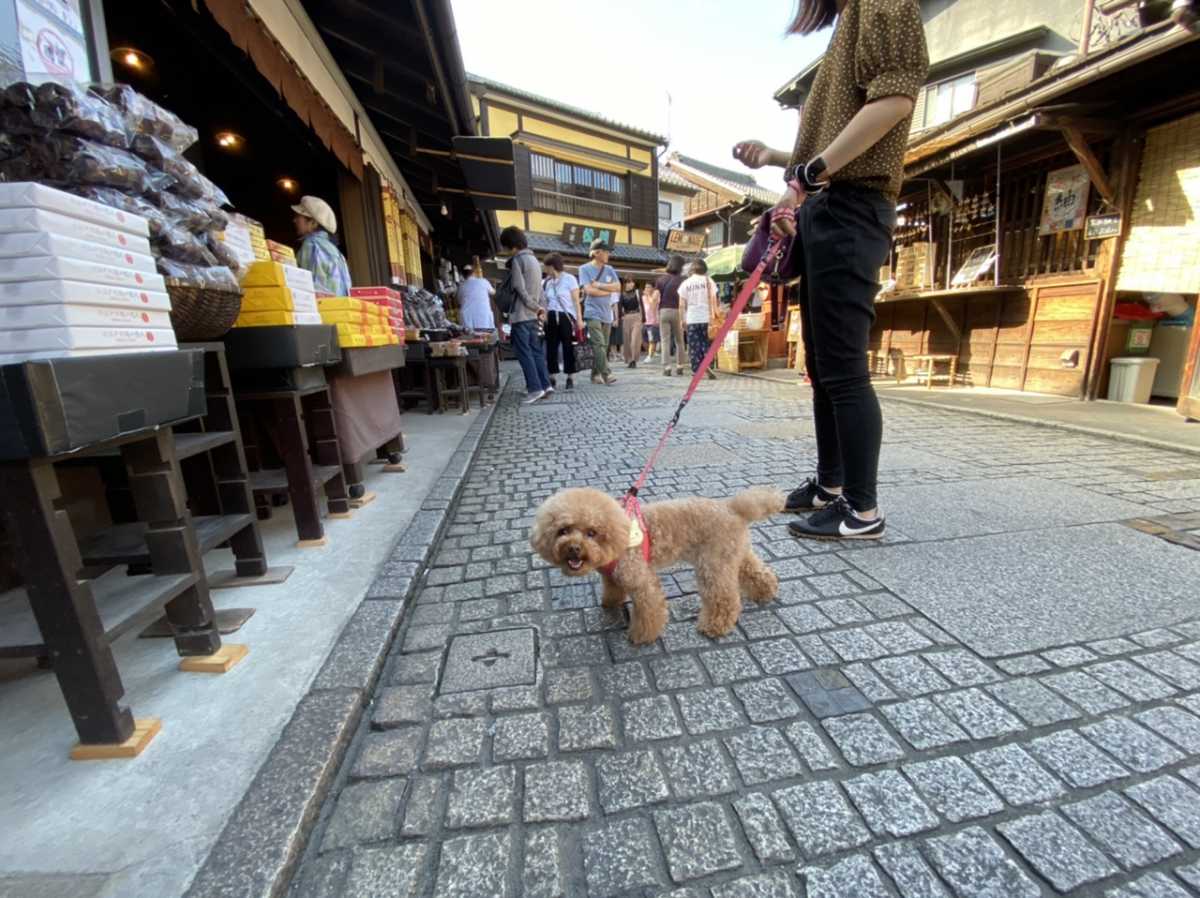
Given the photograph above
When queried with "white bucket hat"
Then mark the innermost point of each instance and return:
(319, 211)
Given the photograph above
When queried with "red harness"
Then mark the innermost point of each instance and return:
(633, 508)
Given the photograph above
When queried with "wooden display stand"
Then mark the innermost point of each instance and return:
(750, 352)
(73, 622)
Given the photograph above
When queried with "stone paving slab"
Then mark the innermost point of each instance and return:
(966, 711)
(1023, 592)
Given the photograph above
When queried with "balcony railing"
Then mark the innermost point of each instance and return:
(579, 207)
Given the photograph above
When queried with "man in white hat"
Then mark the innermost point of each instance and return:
(316, 224)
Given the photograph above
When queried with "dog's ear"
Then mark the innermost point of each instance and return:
(544, 525)
(613, 525)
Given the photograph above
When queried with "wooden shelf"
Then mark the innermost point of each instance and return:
(189, 444)
(274, 480)
(123, 603)
(949, 294)
(126, 543)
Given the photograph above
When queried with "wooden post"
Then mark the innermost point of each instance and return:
(170, 538)
(1127, 162)
(48, 558)
(293, 443)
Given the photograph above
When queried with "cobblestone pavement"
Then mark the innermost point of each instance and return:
(1001, 699)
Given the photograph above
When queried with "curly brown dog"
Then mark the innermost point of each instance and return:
(585, 530)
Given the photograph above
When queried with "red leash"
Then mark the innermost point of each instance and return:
(774, 250)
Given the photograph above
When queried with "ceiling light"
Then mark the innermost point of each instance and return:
(228, 140)
(288, 185)
(445, 211)
(132, 58)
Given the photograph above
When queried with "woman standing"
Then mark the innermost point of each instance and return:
(650, 319)
(843, 176)
(698, 302)
(315, 225)
(631, 324)
(669, 321)
(562, 318)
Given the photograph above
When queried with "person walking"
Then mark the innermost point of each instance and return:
(669, 321)
(562, 316)
(843, 176)
(631, 324)
(528, 314)
(599, 286)
(650, 319)
(698, 302)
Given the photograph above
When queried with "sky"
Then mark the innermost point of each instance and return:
(719, 60)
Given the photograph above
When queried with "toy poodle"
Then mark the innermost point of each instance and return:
(584, 530)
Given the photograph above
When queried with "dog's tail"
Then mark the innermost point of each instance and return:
(757, 503)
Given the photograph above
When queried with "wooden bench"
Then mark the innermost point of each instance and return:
(929, 363)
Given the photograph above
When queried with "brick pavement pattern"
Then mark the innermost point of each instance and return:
(1000, 699)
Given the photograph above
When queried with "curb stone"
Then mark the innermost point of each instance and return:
(264, 839)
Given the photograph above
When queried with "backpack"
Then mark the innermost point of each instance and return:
(506, 294)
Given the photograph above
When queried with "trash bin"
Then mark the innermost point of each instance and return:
(1131, 379)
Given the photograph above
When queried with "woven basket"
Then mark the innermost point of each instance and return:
(199, 314)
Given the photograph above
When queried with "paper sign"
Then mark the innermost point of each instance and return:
(52, 44)
(1065, 205)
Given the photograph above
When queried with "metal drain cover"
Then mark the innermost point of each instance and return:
(490, 661)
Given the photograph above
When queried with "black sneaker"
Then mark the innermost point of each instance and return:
(570, 384)
(836, 521)
(553, 383)
(809, 496)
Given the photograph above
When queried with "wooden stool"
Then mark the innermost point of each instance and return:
(930, 362)
(457, 364)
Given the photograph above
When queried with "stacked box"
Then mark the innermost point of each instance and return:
(237, 238)
(388, 298)
(359, 322)
(281, 253)
(76, 278)
(273, 294)
(914, 265)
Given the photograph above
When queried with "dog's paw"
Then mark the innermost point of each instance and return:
(644, 627)
(715, 626)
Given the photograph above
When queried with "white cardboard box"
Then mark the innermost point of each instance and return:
(305, 301)
(10, 358)
(35, 243)
(39, 268)
(51, 315)
(29, 193)
(29, 219)
(43, 339)
(32, 293)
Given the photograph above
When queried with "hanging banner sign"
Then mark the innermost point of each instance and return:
(583, 235)
(1101, 226)
(684, 242)
(1065, 205)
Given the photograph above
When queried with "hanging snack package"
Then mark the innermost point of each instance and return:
(183, 246)
(188, 181)
(209, 278)
(70, 109)
(143, 116)
(79, 161)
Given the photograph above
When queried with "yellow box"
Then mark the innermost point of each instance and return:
(267, 299)
(264, 319)
(264, 274)
(353, 341)
(355, 318)
(349, 304)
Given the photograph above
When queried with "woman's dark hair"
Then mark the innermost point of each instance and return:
(699, 267)
(812, 15)
(555, 261)
(675, 264)
(513, 237)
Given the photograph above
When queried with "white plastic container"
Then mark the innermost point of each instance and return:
(1131, 379)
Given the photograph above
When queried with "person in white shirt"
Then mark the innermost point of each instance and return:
(563, 315)
(698, 300)
(475, 300)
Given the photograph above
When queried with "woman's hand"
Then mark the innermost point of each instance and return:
(756, 154)
(783, 216)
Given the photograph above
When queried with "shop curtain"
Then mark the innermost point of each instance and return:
(251, 36)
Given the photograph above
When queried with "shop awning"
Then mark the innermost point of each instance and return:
(487, 164)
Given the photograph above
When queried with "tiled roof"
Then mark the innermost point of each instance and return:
(740, 184)
(487, 83)
(622, 252)
(670, 179)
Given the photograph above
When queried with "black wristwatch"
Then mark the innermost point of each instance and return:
(807, 175)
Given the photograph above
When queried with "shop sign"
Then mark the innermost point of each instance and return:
(581, 234)
(52, 43)
(1065, 205)
(679, 241)
(1102, 226)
